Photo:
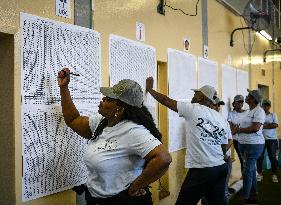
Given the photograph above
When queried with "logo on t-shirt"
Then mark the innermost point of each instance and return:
(106, 145)
(210, 133)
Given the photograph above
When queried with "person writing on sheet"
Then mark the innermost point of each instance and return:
(207, 139)
(251, 144)
(234, 118)
(124, 153)
(270, 135)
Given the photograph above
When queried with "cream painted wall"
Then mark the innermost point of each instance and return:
(162, 32)
(7, 142)
(277, 93)
(9, 23)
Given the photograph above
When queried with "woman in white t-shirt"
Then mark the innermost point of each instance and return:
(251, 144)
(270, 136)
(234, 118)
(124, 153)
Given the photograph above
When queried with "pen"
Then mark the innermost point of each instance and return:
(76, 74)
(71, 73)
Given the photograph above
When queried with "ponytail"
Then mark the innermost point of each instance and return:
(143, 117)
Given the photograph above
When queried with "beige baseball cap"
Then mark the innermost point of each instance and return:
(209, 91)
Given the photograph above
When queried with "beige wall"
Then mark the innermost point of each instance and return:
(9, 23)
(277, 92)
(162, 32)
(7, 141)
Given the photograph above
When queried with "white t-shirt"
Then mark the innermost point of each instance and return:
(206, 131)
(228, 152)
(270, 134)
(255, 115)
(236, 118)
(115, 159)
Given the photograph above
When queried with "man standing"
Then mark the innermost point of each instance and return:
(227, 159)
(207, 139)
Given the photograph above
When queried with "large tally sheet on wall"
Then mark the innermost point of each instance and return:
(207, 73)
(243, 85)
(234, 82)
(52, 152)
(229, 88)
(182, 78)
(133, 60)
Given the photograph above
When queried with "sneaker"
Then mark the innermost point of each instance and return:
(274, 178)
(259, 177)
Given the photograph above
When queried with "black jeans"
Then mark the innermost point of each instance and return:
(236, 147)
(271, 147)
(200, 182)
(122, 198)
(204, 200)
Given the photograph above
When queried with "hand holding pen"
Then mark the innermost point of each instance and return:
(64, 77)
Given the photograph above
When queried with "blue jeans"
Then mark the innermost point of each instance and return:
(250, 154)
(271, 147)
(200, 182)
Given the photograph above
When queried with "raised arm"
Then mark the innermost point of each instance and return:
(158, 161)
(163, 99)
(72, 118)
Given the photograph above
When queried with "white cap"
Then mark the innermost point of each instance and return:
(209, 91)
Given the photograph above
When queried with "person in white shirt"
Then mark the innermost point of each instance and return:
(234, 118)
(218, 104)
(207, 140)
(227, 159)
(251, 144)
(270, 135)
(124, 153)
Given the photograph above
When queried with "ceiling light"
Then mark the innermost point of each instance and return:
(266, 35)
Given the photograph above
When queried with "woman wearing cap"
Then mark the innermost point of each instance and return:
(124, 153)
(270, 135)
(234, 118)
(251, 144)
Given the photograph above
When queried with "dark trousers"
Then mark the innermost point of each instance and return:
(120, 199)
(200, 182)
(271, 147)
(204, 200)
(236, 147)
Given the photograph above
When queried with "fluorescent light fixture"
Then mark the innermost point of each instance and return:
(273, 58)
(266, 35)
